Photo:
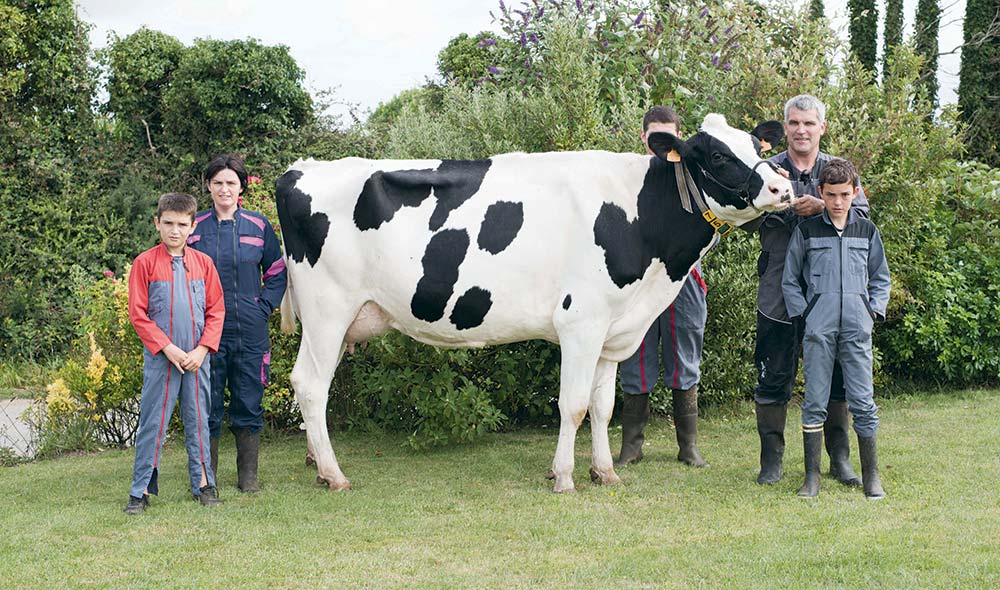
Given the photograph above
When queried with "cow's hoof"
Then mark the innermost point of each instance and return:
(570, 489)
(607, 479)
(310, 460)
(335, 486)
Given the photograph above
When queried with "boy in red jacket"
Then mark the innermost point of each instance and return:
(175, 305)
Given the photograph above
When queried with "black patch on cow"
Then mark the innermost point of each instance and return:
(471, 308)
(500, 226)
(442, 257)
(303, 231)
(456, 181)
(385, 193)
(567, 301)
(663, 230)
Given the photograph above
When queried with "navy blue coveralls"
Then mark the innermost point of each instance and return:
(839, 285)
(248, 257)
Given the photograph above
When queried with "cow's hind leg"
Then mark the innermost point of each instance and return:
(602, 403)
(319, 354)
(580, 353)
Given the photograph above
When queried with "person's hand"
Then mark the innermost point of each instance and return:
(195, 358)
(807, 205)
(176, 356)
(783, 172)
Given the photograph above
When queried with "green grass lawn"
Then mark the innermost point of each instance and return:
(483, 516)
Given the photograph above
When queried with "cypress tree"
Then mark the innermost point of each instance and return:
(816, 10)
(979, 86)
(893, 34)
(864, 31)
(926, 41)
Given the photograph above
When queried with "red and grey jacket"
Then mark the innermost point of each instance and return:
(151, 301)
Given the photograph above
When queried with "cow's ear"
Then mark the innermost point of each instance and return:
(769, 133)
(668, 146)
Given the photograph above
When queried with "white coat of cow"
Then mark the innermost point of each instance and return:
(584, 249)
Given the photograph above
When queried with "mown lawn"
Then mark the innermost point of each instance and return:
(483, 516)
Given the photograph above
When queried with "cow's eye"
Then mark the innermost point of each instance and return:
(717, 157)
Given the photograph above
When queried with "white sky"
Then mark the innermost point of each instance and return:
(368, 51)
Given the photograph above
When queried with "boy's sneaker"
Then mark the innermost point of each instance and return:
(136, 505)
(209, 497)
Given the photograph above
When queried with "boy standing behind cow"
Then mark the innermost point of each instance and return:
(175, 305)
(679, 332)
(836, 282)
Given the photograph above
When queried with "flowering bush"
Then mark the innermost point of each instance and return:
(94, 398)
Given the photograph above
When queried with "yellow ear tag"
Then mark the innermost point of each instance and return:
(673, 156)
(765, 146)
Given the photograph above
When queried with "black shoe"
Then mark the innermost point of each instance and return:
(136, 505)
(209, 497)
(812, 442)
(838, 446)
(869, 468)
(685, 406)
(247, 449)
(771, 428)
(635, 415)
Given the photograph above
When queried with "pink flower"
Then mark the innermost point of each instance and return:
(109, 273)
(253, 180)
(239, 200)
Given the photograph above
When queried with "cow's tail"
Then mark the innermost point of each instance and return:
(288, 313)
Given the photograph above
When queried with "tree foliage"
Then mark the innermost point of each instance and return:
(864, 31)
(893, 33)
(925, 38)
(816, 9)
(979, 87)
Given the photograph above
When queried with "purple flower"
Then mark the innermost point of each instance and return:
(533, 38)
(524, 15)
(728, 30)
(727, 66)
(704, 13)
(638, 19)
(493, 69)
(604, 43)
(487, 42)
(579, 5)
(711, 97)
(715, 60)
(736, 45)
(540, 12)
(527, 63)
(714, 39)
(502, 7)
(524, 39)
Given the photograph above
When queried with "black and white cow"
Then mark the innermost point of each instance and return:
(584, 249)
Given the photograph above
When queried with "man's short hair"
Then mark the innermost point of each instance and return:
(660, 115)
(806, 102)
(230, 161)
(838, 171)
(178, 203)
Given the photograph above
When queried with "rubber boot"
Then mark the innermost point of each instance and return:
(872, 483)
(812, 443)
(209, 496)
(771, 428)
(838, 446)
(247, 447)
(214, 452)
(635, 415)
(686, 424)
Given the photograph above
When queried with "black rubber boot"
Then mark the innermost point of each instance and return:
(771, 428)
(812, 443)
(686, 424)
(208, 497)
(838, 446)
(869, 468)
(136, 505)
(247, 447)
(635, 415)
(213, 446)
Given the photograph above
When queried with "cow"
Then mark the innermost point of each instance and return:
(583, 249)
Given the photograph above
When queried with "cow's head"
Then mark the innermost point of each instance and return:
(739, 183)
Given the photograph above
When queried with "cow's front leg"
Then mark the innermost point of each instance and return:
(579, 360)
(602, 403)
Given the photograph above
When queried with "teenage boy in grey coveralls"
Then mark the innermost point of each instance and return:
(836, 283)
(680, 331)
(776, 352)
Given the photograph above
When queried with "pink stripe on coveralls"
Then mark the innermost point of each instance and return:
(252, 241)
(258, 222)
(193, 238)
(277, 268)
